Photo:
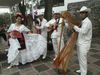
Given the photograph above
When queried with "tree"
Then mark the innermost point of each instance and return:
(1, 21)
(48, 9)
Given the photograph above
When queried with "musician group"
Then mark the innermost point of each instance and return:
(26, 46)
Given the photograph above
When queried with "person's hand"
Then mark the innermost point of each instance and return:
(12, 36)
(30, 32)
(37, 27)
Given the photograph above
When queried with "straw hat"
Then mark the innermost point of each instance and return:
(40, 13)
(84, 9)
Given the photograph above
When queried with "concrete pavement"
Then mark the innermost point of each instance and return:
(45, 67)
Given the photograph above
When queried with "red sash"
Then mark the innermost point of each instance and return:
(17, 34)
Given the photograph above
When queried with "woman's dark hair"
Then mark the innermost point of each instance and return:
(18, 15)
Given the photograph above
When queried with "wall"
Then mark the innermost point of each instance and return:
(94, 15)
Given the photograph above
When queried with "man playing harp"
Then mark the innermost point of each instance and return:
(55, 26)
(83, 35)
(84, 39)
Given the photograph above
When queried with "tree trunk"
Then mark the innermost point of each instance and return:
(48, 9)
(48, 16)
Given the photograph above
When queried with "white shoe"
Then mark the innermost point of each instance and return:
(6, 49)
(44, 56)
(78, 71)
(9, 67)
(54, 59)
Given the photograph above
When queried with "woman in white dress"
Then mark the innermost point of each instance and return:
(24, 47)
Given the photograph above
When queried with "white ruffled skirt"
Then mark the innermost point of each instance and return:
(36, 45)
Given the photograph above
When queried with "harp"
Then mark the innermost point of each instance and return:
(64, 55)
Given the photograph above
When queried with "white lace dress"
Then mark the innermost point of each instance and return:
(35, 46)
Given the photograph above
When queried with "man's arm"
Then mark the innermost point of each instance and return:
(83, 29)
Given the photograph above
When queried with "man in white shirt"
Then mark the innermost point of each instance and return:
(84, 39)
(55, 25)
(42, 29)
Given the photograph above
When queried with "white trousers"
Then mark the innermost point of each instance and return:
(44, 34)
(82, 51)
(45, 52)
(55, 42)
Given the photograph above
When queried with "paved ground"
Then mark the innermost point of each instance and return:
(45, 67)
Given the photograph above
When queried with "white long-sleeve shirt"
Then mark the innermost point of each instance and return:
(85, 32)
(56, 33)
(43, 27)
(21, 28)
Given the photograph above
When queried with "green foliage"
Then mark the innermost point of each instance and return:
(1, 21)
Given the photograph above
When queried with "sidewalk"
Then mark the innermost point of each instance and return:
(45, 67)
